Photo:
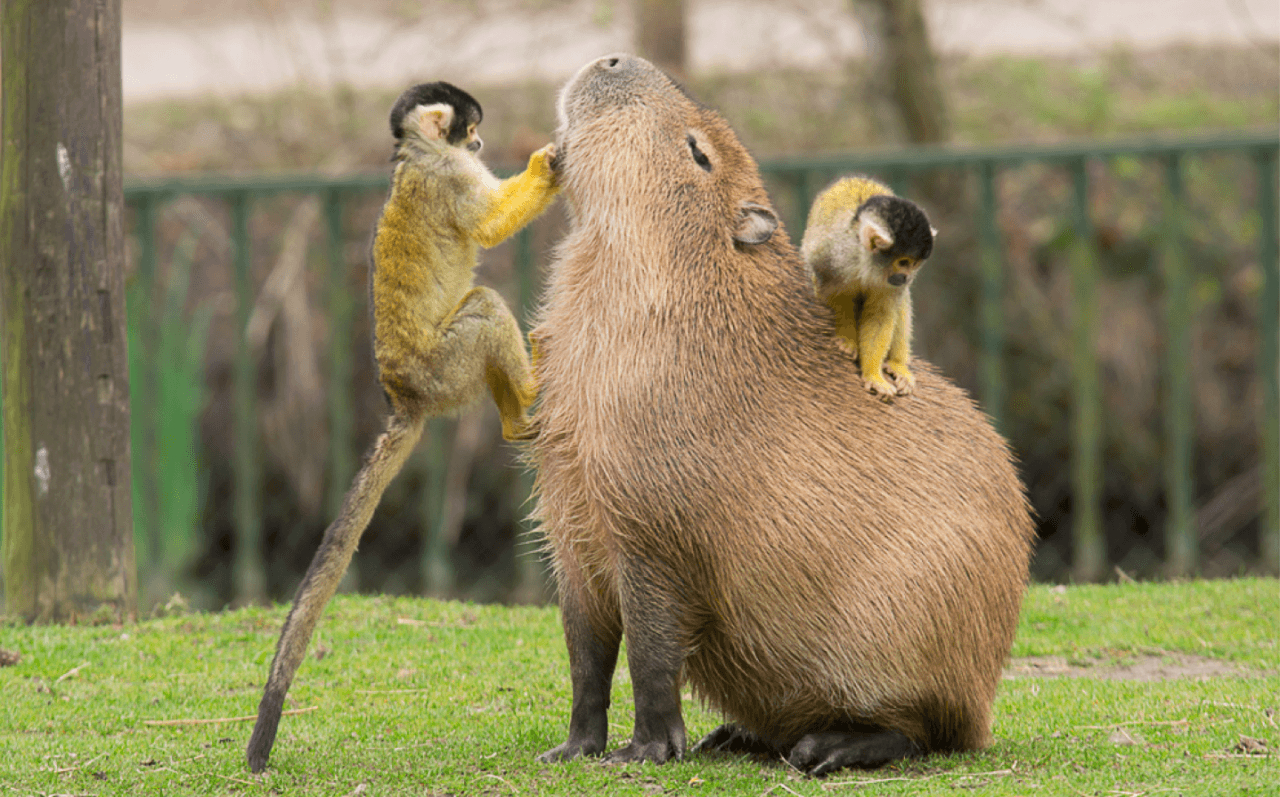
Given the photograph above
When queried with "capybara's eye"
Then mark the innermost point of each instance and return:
(699, 156)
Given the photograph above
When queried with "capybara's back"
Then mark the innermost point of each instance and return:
(840, 577)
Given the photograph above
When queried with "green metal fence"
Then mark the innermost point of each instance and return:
(794, 182)
(1089, 558)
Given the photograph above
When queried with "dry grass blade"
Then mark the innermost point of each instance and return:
(1127, 724)
(870, 781)
(216, 720)
(70, 673)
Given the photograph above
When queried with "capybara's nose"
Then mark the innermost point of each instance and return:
(617, 62)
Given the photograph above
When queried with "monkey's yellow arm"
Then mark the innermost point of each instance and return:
(519, 200)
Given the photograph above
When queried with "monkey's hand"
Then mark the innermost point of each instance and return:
(542, 164)
(903, 380)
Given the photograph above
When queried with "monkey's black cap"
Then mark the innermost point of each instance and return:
(466, 111)
(910, 227)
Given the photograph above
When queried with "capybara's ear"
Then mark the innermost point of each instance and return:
(756, 223)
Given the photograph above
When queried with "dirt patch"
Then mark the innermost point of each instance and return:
(1149, 667)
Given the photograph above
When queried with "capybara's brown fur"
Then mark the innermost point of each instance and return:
(840, 577)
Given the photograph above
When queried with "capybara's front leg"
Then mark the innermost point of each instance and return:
(593, 655)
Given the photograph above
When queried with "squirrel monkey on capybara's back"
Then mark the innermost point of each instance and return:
(865, 245)
(439, 342)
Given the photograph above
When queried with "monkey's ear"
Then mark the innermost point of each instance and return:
(756, 224)
(872, 234)
(933, 231)
(434, 120)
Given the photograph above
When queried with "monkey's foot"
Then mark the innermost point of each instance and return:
(848, 345)
(877, 385)
(731, 738)
(820, 754)
(903, 380)
(522, 430)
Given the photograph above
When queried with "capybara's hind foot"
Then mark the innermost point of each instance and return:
(731, 738)
(820, 754)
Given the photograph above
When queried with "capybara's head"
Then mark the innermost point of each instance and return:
(632, 141)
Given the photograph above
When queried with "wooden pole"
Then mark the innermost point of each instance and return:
(1269, 356)
(660, 35)
(68, 527)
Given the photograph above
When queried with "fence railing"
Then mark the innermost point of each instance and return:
(797, 180)
(1086, 467)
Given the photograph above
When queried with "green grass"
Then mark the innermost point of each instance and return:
(421, 697)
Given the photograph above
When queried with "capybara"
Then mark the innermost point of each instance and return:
(841, 578)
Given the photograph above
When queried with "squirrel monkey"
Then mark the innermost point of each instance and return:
(439, 342)
(865, 245)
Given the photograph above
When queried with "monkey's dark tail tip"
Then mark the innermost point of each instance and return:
(264, 730)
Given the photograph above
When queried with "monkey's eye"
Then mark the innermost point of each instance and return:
(699, 157)
(903, 262)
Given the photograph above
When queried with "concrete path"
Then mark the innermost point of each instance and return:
(491, 45)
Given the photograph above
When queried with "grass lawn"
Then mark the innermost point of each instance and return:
(1120, 690)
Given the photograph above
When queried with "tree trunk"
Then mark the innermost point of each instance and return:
(68, 528)
(907, 94)
(905, 68)
(660, 34)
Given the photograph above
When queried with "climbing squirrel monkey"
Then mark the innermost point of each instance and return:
(864, 246)
(439, 342)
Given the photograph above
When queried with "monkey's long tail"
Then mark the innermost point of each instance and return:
(385, 460)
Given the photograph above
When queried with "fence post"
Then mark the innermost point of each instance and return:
(801, 197)
(436, 563)
(249, 579)
(143, 398)
(991, 368)
(1086, 416)
(338, 301)
(1269, 356)
(1181, 536)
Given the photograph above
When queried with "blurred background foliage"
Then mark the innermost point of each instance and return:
(464, 495)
